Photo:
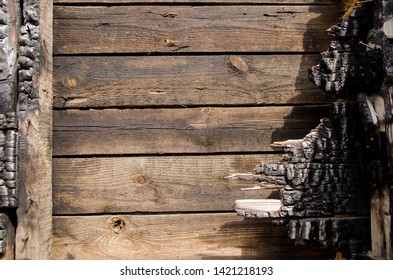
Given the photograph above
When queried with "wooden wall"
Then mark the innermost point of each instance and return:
(157, 101)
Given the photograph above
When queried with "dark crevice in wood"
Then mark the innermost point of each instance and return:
(144, 213)
(193, 4)
(168, 154)
(175, 53)
(193, 106)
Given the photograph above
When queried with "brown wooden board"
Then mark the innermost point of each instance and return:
(149, 29)
(190, 130)
(153, 184)
(34, 230)
(178, 236)
(184, 80)
(286, 2)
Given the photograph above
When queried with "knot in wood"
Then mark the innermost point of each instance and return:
(117, 224)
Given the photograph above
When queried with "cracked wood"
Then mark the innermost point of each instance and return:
(96, 81)
(157, 131)
(146, 29)
(178, 236)
(152, 184)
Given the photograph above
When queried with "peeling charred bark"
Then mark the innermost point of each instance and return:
(321, 179)
(9, 20)
(350, 65)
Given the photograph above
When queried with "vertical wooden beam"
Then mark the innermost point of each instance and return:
(34, 230)
(381, 242)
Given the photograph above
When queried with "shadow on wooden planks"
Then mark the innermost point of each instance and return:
(303, 73)
(276, 243)
(272, 244)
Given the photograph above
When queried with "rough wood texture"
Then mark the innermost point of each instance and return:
(133, 29)
(8, 162)
(34, 232)
(151, 184)
(349, 235)
(381, 223)
(287, 2)
(7, 236)
(198, 130)
(349, 66)
(192, 236)
(8, 55)
(184, 80)
(322, 175)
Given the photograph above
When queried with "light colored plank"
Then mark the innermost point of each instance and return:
(380, 215)
(197, 130)
(134, 29)
(193, 236)
(184, 80)
(286, 2)
(34, 231)
(153, 184)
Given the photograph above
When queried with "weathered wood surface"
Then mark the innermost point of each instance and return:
(152, 184)
(381, 241)
(178, 236)
(287, 2)
(196, 130)
(146, 29)
(184, 80)
(34, 231)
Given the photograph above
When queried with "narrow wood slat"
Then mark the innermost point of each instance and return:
(196, 236)
(197, 130)
(153, 184)
(184, 80)
(134, 29)
(286, 2)
(34, 230)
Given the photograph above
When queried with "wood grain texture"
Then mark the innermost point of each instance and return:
(135, 29)
(286, 2)
(196, 130)
(195, 236)
(86, 82)
(381, 221)
(34, 231)
(153, 184)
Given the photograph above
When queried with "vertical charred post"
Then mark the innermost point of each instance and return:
(9, 22)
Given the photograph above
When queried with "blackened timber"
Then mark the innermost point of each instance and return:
(321, 178)
(350, 66)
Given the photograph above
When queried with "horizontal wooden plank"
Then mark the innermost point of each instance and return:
(286, 2)
(190, 130)
(196, 236)
(153, 184)
(184, 80)
(135, 29)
